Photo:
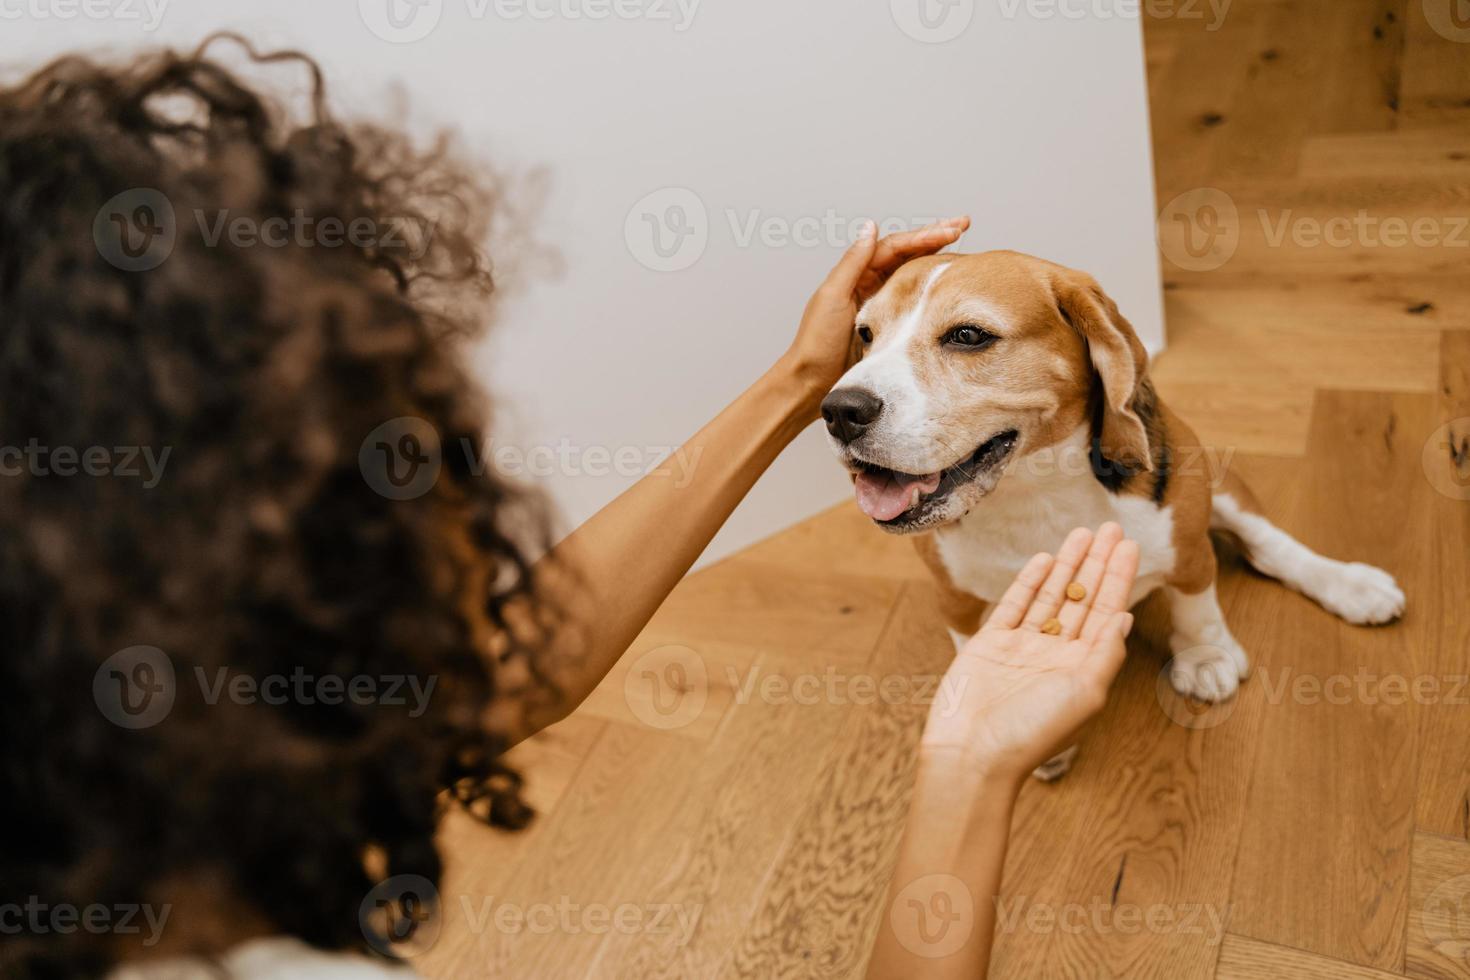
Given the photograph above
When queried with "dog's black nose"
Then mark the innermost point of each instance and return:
(849, 411)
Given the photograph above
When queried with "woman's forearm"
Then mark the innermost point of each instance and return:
(939, 918)
(612, 573)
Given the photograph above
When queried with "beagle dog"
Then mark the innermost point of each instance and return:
(1001, 400)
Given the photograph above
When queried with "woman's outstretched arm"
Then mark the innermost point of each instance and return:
(630, 555)
(1022, 695)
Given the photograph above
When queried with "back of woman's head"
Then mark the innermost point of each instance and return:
(252, 614)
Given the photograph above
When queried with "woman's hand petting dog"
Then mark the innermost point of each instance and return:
(1041, 667)
(824, 347)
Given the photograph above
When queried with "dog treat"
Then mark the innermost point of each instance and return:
(1052, 627)
(1076, 592)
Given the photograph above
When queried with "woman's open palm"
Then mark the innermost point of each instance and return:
(1042, 664)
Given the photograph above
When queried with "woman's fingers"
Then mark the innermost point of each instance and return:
(1115, 590)
(1012, 607)
(1053, 591)
(1109, 648)
(1089, 577)
(850, 269)
(894, 250)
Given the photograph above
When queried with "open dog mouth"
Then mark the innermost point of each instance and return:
(897, 499)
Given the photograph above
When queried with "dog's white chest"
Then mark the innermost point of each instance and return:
(984, 552)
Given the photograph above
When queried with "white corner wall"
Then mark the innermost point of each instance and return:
(764, 129)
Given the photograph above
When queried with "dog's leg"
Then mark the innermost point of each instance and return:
(1357, 592)
(1208, 663)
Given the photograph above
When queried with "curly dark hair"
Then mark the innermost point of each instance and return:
(265, 548)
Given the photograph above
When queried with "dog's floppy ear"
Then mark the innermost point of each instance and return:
(1120, 362)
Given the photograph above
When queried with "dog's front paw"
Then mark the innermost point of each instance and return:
(1362, 594)
(1207, 672)
(1056, 767)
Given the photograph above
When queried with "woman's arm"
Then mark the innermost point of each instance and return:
(630, 555)
(1022, 696)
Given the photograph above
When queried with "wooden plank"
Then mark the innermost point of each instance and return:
(764, 766)
(840, 540)
(550, 916)
(1444, 764)
(1439, 909)
(1331, 746)
(1247, 959)
(1400, 154)
(745, 602)
(1435, 90)
(819, 911)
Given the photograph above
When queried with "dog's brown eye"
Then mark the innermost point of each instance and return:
(969, 337)
(865, 334)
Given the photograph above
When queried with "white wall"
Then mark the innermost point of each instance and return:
(797, 115)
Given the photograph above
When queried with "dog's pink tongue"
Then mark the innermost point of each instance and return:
(885, 497)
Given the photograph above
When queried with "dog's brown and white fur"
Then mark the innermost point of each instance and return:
(1047, 423)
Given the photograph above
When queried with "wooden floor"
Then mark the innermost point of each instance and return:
(729, 802)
